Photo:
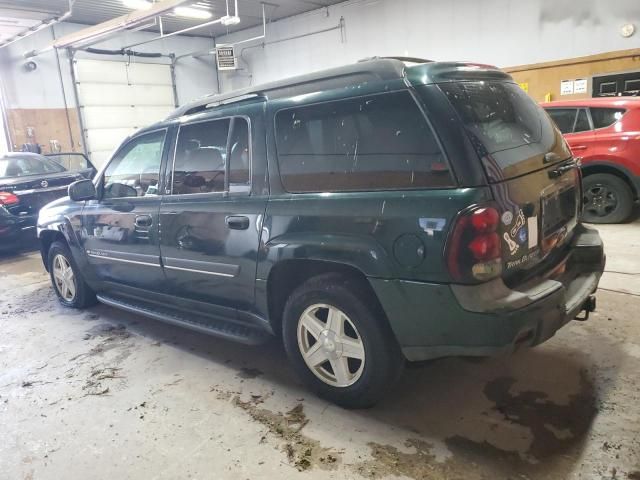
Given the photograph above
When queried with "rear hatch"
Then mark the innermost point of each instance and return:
(534, 180)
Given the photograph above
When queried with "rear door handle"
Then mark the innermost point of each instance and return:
(237, 222)
(144, 221)
(579, 147)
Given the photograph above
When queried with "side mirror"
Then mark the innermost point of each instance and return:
(82, 190)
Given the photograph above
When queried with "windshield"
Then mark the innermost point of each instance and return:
(24, 166)
(506, 127)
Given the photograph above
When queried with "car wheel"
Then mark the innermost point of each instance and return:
(339, 342)
(607, 199)
(67, 280)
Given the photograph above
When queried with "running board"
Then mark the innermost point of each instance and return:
(218, 328)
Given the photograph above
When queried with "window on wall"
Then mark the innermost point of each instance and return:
(378, 142)
(632, 87)
(135, 170)
(608, 89)
(202, 153)
(605, 117)
(619, 84)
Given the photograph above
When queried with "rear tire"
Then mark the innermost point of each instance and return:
(608, 199)
(352, 356)
(66, 278)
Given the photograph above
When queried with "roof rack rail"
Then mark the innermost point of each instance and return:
(210, 101)
(379, 69)
(402, 59)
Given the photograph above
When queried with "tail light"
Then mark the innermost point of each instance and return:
(580, 188)
(7, 199)
(474, 250)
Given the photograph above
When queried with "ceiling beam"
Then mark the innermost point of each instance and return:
(102, 30)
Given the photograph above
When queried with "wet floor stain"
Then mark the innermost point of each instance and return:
(557, 431)
(29, 303)
(387, 460)
(249, 373)
(107, 330)
(302, 452)
(554, 428)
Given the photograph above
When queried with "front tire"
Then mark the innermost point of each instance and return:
(338, 341)
(66, 278)
(608, 199)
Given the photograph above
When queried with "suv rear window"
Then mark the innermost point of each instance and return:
(17, 166)
(377, 142)
(499, 118)
(605, 117)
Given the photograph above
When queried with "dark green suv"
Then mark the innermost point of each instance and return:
(371, 214)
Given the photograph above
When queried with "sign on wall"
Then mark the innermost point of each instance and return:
(572, 87)
(580, 85)
(566, 87)
(524, 86)
(225, 58)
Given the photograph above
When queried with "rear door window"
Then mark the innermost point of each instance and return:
(605, 117)
(71, 161)
(199, 165)
(564, 118)
(570, 120)
(213, 156)
(582, 122)
(377, 142)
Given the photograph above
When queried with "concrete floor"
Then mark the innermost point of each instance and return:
(105, 394)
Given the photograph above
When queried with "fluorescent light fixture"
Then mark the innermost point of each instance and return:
(228, 20)
(191, 12)
(137, 4)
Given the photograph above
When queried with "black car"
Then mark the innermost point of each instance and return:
(28, 181)
(369, 215)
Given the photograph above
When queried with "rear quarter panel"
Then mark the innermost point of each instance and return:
(398, 234)
(619, 143)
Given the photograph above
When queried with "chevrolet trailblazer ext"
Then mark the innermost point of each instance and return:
(371, 214)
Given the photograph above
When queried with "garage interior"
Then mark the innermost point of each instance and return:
(101, 393)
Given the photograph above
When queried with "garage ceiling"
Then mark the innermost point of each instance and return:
(17, 15)
(13, 21)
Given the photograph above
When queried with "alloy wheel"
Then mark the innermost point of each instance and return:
(64, 278)
(331, 345)
(600, 200)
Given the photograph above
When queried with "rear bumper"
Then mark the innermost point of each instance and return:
(12, 228)
(433, 320)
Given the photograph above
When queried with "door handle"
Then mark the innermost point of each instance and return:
(144, 221)
(558, 172)
(579, 147)
(237, 222)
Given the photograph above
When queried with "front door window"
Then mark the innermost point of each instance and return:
(135, 170)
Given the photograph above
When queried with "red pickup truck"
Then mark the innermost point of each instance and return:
(605, 134)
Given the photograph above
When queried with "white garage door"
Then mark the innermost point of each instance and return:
(117, 98)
